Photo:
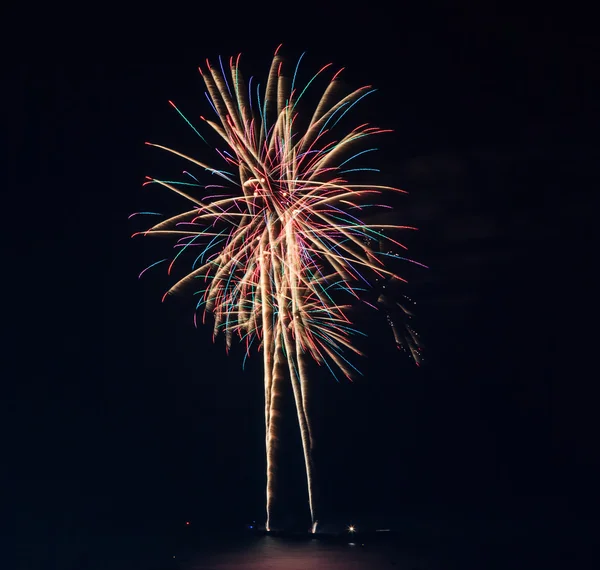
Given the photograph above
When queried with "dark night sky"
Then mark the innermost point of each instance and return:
(121, 410)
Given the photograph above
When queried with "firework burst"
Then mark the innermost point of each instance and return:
(280, 235)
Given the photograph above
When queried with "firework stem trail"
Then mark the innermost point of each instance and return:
(267, 331)
(278, 379)
(304, 434)
(289, 321)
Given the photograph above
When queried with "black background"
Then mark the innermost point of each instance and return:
(121, 412)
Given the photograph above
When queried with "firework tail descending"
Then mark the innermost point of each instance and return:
(280, 238)
(267, 332)
(275, 407)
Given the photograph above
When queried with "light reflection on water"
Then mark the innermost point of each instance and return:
(525, 549)
(278, 553)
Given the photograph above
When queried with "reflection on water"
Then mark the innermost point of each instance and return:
(476, 547)
(288, 554)
(525, 549)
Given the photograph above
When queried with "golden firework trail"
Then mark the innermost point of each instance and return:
(280, 236)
